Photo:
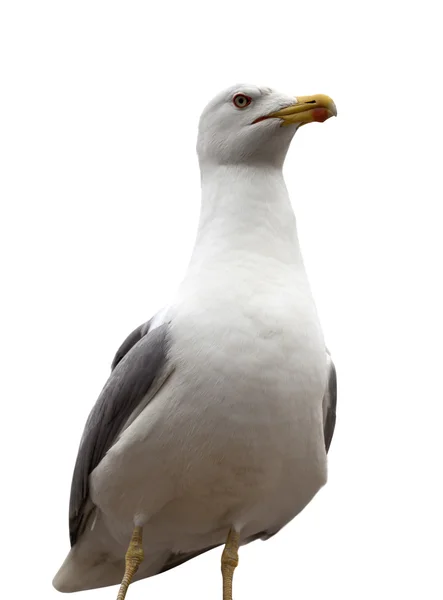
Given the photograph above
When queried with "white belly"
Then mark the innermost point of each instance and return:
(235, 436)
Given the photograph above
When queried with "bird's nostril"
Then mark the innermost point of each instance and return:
(311, 102)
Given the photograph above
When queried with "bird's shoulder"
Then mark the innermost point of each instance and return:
(130, 341)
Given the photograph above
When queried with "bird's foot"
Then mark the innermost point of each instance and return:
(229, 562)
(133, 559)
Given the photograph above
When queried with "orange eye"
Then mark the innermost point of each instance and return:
(241, 100)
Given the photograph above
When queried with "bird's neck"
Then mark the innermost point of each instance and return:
(245, 210)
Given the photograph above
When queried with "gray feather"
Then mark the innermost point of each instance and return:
(135, 370)
(330, 405)
(176, 559)
(134, 337)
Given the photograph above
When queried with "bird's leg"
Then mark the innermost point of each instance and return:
(228, 562)
(134, 556)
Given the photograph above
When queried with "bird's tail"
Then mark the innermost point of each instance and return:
(97, 560)
(94, 561)
(79, 573)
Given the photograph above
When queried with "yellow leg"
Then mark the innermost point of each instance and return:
(229, 562)
(134, 556)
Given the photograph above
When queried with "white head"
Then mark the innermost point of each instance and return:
(255, 125)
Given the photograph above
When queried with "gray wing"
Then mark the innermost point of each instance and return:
(139, 361)
(134, 337)
(330, 404)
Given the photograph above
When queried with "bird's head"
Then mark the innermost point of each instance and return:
(250, 124)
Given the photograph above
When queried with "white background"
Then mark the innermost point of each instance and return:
(100, 197)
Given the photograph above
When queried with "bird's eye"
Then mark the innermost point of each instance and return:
(241, 100)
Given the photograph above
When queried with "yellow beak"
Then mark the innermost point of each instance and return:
(306, 109)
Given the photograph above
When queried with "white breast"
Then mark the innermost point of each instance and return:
(251, 361)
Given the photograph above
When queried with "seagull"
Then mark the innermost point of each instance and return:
(215, 423)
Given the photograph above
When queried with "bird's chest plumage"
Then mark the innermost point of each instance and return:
(253, 367)
(250, 330)
(238, 424)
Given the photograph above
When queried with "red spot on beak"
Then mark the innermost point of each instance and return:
(320, 114)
